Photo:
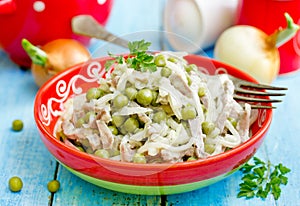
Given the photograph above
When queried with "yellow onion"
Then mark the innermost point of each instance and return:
(54, 57)
(252, 50)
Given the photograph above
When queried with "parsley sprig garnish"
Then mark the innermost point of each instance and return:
(138, 58)
(262, 178)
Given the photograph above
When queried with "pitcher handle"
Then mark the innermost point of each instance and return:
(7, 6)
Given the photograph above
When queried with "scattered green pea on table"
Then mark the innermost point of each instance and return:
(53, 186)
(17, 125)
(15, 184)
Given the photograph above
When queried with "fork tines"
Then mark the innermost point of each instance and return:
(255, 94)
(260, 86)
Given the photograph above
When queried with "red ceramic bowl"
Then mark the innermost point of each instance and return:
(151, 179)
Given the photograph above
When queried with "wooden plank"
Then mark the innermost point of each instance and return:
(75, 191)
(221, 193)
(22, 153)
(283, 139)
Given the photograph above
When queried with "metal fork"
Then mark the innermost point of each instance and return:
(255, 94)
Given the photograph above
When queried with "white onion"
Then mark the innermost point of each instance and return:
(253, 51)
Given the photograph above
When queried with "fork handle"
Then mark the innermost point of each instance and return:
(88, 26)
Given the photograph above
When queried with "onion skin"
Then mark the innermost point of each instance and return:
(250, 50)
(61, 54)
(40, 74)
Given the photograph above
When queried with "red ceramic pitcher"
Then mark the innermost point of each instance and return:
(41, 21)
(268, 15)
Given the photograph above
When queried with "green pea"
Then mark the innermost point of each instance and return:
(89, 115)
(105, 88)
(61, 135)
(17, 125)
(227, 149)
(139, 158)
(154, 98)
(188, 112)
(85, 143)
(201, 91)
(191, 159)
(190, 67)
(165, 72)
(189, 80)
(102, 153)
(233, 121)
(204, 109)
(79, 122)
(131, 92)
(118, 120)
(89, 150)
(94, 93)
(172, 59)
(53, 186)
(159, 116)
(113, 130)
(131, 124)
(80, 148)
(207, 127)
(209, 148)
(122, 130)
(114, 152)
(144, 97)
(160, 61)
(167, 108)
(15, 184)
(120, 101)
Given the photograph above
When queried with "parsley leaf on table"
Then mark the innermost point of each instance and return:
(262, 178)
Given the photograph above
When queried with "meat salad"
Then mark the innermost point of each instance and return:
(172, 113)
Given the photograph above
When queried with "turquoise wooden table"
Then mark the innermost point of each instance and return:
(23, 154)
